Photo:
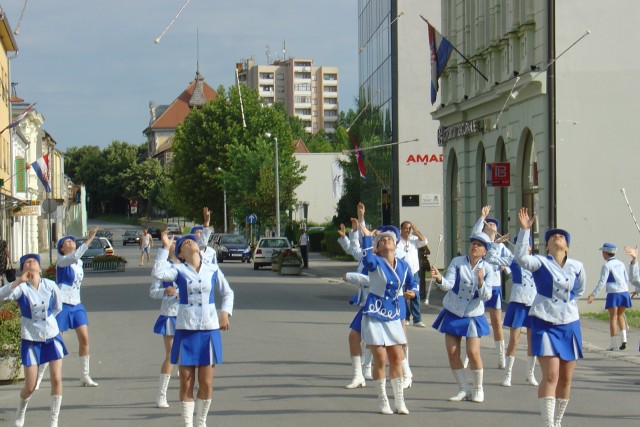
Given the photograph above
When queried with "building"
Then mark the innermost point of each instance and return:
(307, 91)
(553, 121)
(394, 78)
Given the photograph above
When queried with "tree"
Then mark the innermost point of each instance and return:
(142, 181)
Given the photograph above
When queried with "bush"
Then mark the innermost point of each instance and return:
(10, 340)
(104, 259)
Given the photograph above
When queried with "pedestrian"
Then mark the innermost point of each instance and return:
(614, 275)
(39, 300)
(146, 243)
(523, 291)
(633, 267)
(381, 321)
(197, 344)
(411, 239)
(466, 283)
(4, 260)
(490, 226)
(304, 247)
(556, 336)
(166, 327)
(69, 276)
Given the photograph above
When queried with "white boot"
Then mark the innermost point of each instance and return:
(85, 379)
(478, 392)
(161, 398)
(22, 409)
(465, 362)
(507, 375)
(614, 344)
(55, 409)
(500, 348)
(406, 373)
(41, 370)
(531, 378)
(358, 378)
(547, 409)
(461, 379)
(366, 363)
(623, 346)
(187, 413)
(398, 396)
(202, 410)
(561, 406)
(383, 401)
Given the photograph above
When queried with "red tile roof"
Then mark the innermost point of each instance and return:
(179, 108)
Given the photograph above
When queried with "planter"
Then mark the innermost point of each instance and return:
(120, 267)
(275, 266)
(6, 367)
(291, 270)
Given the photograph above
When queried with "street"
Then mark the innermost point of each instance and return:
(286, 362)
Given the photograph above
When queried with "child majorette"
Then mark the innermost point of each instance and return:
(39, 300)
(466, 282)
(614, 275)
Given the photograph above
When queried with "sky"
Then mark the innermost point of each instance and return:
(93, 66)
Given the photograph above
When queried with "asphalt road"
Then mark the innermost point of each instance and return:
(286, 363)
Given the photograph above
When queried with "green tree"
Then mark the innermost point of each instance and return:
(142, 181)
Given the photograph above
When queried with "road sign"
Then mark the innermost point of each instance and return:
(49, 206)
(252, 218)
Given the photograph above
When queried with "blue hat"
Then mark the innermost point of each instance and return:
(196, 228)
(481, 237)
(388, 231)
(182, 240)
(609, 248)
(61, 241)
(23, 258)
(493, 220)
(553, 231)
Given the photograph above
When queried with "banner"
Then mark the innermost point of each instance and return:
(21, 175)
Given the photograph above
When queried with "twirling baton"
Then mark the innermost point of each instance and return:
(434, 263)
(630, 210)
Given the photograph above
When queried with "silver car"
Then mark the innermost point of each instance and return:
(265, 248)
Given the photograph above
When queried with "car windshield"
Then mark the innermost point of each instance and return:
(95, 243)
(274, 243)
(130, 233)
(237, 239)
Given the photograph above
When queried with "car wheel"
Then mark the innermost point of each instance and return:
(124, 243)
(220, 260)
(256, 266)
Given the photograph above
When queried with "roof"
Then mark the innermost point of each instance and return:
(179, 108)
(299, 146)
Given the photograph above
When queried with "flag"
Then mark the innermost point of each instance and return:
(359, 156)
(441, 49)
(20, 118)
(338, 180)
(41, 168)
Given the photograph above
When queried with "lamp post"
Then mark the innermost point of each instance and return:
(268, 135)
(224, 200)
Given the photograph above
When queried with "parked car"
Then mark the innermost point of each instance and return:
(98, 246)
(265, 248)
(106, 234)
(131, 236)
(232, 246)
(155, 232)
(174, 228)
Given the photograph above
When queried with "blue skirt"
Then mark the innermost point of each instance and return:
(517, 315)
(496, 298)
(618, 299)
(563, 341)
(403, 307)
(165, 325)
(468, 327)
(196, 348)
(38, 352)
(71, 317)
(356, 323)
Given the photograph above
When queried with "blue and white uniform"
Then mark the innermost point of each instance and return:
(166, 323)
(41, 339)
(556, 324)
(197, 339)
(69, 275)
(496, 280)
(208, 253)
(614, 276)
(463, 312)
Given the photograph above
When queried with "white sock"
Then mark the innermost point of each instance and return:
(624, 335)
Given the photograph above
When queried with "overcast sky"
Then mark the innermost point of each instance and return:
(93, 66)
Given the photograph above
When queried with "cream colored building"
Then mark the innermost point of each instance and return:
(307, 91)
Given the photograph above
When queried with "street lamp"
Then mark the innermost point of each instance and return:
(224, 189)
(268, 135)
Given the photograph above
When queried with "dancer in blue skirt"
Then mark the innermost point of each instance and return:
(466, 282)
(39, 300)
(197, 345)
(556, 336)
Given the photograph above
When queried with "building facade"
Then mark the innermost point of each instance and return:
(307, 91)
(550, 123)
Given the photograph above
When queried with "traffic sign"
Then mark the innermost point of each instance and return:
(252, 218)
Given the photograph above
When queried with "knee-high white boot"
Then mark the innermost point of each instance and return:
(56, 401)
(406, 369)
(398, 395)
(85, 378)
(358, 378)
(500, 348)
(561, 406)
(161, 398)
(20, 412)
(383, 400)
(366, 364)
(461, 379)
(531, 377)
(41, 370)
(187, 413)
(202, 410)
(507, 375)
(478, 392)
(547, 409)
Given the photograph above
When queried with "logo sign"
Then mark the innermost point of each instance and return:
(21, 175)
(498, 174)
(252, 218)
(459, 130)
(27, 210)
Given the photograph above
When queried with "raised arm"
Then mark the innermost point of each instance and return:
(523, 258)
(162, 268)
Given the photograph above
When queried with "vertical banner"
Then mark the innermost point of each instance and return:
(498, 174)
(21, 175)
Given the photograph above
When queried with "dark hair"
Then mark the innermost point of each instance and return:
(403, 223)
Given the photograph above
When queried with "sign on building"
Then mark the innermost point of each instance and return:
(498, 174)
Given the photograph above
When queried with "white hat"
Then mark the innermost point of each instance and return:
(481, 237)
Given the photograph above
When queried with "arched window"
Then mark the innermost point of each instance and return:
(454, 229)
(481, 179)
(501, 209)
(529, 181)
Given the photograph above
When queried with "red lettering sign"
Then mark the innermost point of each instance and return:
(498, 174)
(424, 158)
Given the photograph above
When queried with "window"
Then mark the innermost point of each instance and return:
(331, 76)
(280, 76)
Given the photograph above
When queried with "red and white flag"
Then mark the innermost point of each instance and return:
(41, 168)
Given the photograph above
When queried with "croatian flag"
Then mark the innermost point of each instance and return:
(20, 118)
(359, 156)
(440, 51)
(41, 168)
